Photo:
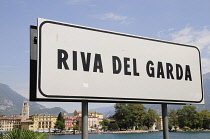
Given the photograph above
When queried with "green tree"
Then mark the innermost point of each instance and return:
(173, 118)
(60, 123)
(188, 116)
(150, 118)
(121, 112)
(113, 126)
(75, 113)
(75, 127)
(60, 117)
(129, 115)
(24, 134)
(205, 118)
(136, 114)
(169, 126)
(104, 123)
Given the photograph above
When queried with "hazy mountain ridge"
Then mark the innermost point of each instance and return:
(106, 111)
(11, 103)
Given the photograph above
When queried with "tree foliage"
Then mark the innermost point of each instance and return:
(75, 113)
(132, 115)
(150, 118)
(60, 123)
(205, 118)
(105, 124)
(173, 118)
(136, 114)
(120, 115)
(24, 134)
(60, 117)
(188, 116)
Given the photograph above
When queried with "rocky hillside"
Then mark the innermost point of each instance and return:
(11, 103)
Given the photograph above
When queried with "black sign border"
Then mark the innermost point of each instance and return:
(63, 98)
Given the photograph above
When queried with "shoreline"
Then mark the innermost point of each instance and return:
(127, 132)
(110, 132)
(132, 131)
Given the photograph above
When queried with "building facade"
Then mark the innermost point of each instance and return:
(93, 122)
(42, 123)
(68, 122)
(10, 122)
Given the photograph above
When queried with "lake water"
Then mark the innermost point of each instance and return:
(153, 135)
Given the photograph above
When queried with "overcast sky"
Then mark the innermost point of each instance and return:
(179, 21)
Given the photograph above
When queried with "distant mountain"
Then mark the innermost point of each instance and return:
(206, 76)
(108, 111)
(206, 89)
(11, 103)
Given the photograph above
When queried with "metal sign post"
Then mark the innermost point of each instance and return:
(165, 121)
(85, 119)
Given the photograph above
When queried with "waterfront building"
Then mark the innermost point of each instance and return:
(10, 122)
(93, 122)
(158, 125)
(94, 119)
(92, 114)
(44, 122)
(27, 124)
(68, 122)
(41, 123)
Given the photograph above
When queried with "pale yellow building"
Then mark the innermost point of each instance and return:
(39, 123)
(96, 114)
(9, 122)
(91, 114)
(27, 124)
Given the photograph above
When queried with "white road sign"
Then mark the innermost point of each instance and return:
(81, 63)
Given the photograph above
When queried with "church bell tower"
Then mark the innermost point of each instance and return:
(25, 111)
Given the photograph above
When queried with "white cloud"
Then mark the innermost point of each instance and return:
(164, 33)
(199, 38)
(208, 50)
(118, 18)
(114, 17)
(191, 36)
(73, 2)
(6, 66)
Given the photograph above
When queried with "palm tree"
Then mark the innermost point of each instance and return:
(24, 134)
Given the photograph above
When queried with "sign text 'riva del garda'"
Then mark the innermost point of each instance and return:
(124, 65)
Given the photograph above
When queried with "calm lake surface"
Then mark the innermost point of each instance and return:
(153, 135)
